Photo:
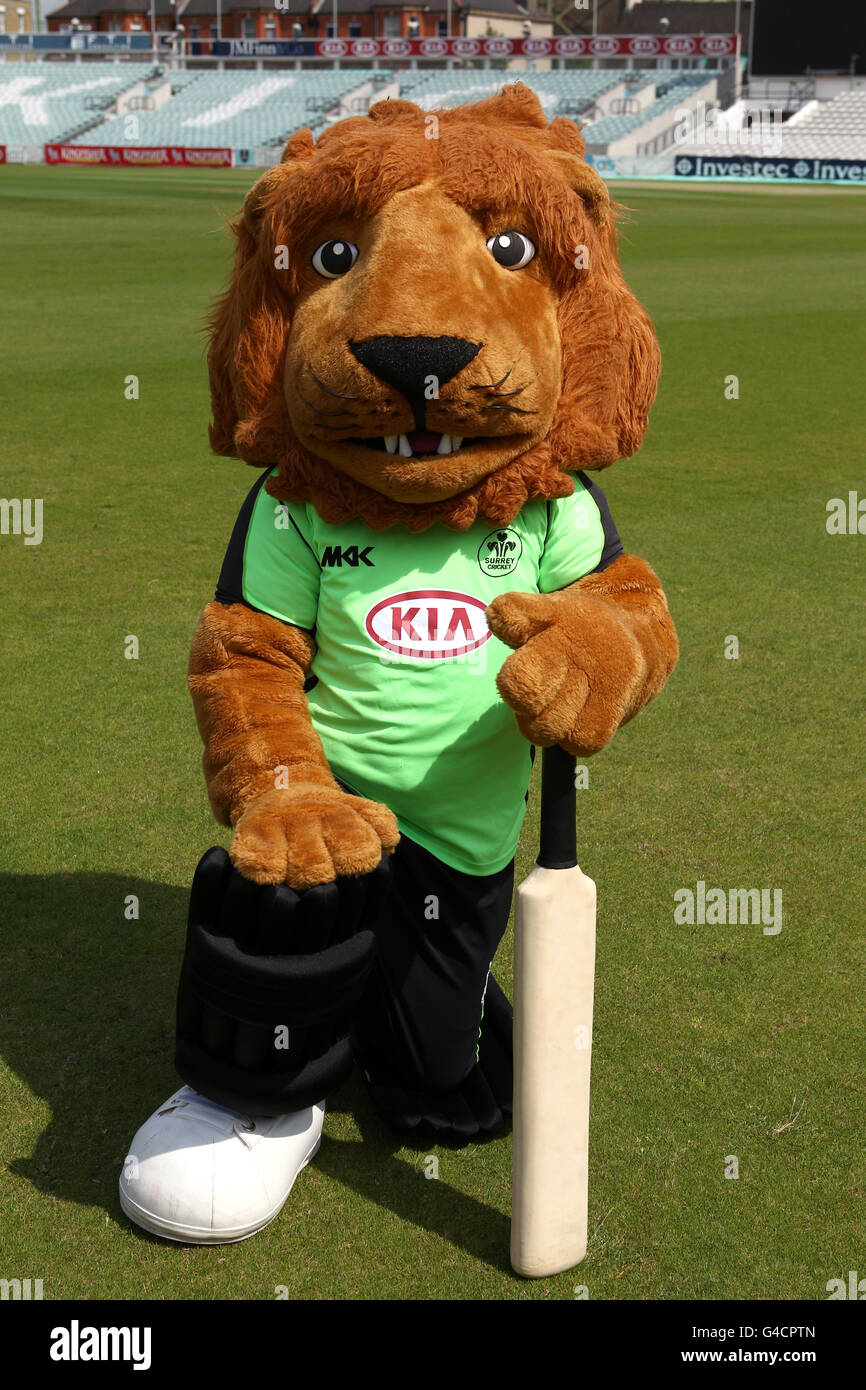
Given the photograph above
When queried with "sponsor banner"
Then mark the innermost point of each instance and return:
(78, 42)
(603, 46)
(186, 157)
(263, 48)
(736, 166)
(560, 46)
(192, 158)
(2, 154)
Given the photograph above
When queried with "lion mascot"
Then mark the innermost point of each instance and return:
(425, 342)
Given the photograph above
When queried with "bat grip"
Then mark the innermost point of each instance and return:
(558, 842)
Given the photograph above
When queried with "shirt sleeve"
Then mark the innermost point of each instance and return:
(581, 537)
(270, 564)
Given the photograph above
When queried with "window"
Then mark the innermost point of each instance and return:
(330, 31)
(2, 19)
(354, 30)
(21, 17)
(392, 26)
(214, 31)
(270, 28)
(195, 32)
(115, 26)
(249, 29)
(442, 28)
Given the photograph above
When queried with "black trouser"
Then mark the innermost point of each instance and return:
(420, 1018)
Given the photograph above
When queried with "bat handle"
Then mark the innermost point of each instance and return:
(558, 841)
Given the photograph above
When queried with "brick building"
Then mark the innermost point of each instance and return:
(311, 19)
(16, 17)
(111, 16)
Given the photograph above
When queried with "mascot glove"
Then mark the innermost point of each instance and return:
(309, 834)
(577, 671)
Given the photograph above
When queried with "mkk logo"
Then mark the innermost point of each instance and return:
(500, 551)
(335, 555)
(432, 624)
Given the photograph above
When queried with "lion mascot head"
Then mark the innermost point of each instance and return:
(427, 320)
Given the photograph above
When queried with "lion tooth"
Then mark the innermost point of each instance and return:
(456, 441)
(405, 446)
(391, 443)
(444, 445)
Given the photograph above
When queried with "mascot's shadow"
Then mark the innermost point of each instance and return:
(88, 1025)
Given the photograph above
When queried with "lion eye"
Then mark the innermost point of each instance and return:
(333, 258)
(512, 250)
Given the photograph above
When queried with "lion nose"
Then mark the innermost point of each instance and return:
(417, 367)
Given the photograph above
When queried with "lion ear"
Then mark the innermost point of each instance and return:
(586, 182)
(249, 326)
(394, 109)
(300, 145)
(611, 359)
(513, 104)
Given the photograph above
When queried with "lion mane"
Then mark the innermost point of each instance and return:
(498, 153)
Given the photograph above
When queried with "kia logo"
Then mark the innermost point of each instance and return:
(431, 624)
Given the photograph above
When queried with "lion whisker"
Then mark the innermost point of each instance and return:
(333, 427)
(492, 385)
(319, 410)
(339, 394)
(516, 392)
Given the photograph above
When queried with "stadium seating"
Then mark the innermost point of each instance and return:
(574, 89)
(828, 129)
(43, 102)
(821, 130)
(236, 109)
(672, 93)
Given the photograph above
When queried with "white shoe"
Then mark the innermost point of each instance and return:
(199, 1173)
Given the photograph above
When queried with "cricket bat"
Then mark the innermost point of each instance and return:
(554, 977)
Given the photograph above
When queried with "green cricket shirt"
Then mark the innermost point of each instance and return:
(404, 698)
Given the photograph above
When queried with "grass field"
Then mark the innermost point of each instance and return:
(710, 1041)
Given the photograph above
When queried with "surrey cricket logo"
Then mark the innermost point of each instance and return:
(431, 624)
(500, 552)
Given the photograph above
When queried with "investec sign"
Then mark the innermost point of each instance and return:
(759, 167)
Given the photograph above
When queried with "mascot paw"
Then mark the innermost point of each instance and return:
(309, 834)
(574, 672)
